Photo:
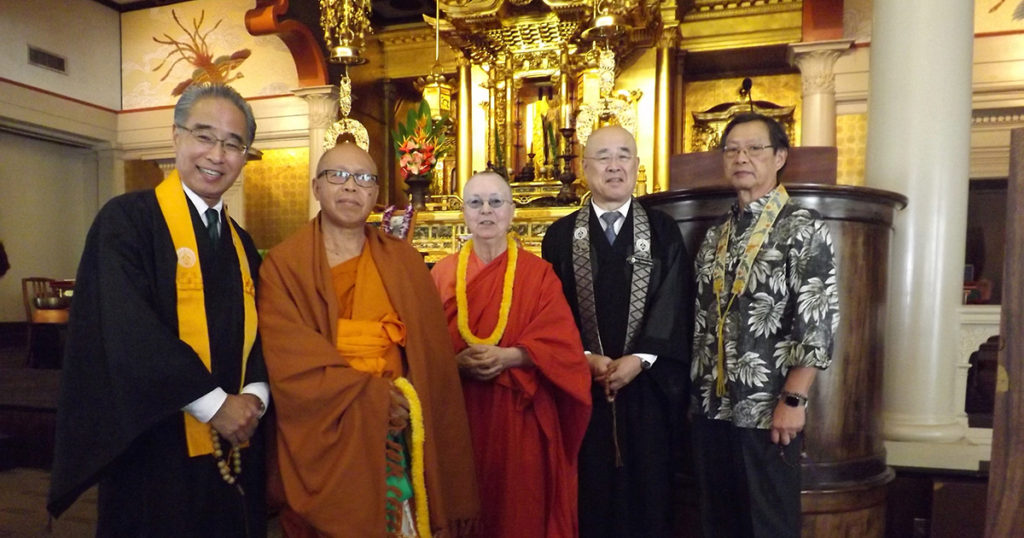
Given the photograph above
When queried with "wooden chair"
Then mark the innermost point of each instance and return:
(32, 288)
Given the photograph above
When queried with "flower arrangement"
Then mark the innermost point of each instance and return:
(420, 141)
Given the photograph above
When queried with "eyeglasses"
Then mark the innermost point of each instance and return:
(205, 138)
(341, 177)
(751, 151)
(605, 160)
(495, 203)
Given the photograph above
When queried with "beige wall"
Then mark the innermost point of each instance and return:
(48, 197)
(84, 32)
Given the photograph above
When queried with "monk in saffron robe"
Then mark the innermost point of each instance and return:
(347, 311)
(524, 375)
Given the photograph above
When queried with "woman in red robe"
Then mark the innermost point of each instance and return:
(525, 378)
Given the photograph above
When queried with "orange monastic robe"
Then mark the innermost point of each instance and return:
(332, 418)
(526, 424)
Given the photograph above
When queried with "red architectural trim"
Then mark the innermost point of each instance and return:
(822, 20)
(309, 59)
(162, 107)
(57, 95)
(998, 34)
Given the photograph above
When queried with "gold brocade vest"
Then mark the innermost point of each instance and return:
(192, 324)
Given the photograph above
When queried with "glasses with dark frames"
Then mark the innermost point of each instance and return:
(205, 138)
(341, 177)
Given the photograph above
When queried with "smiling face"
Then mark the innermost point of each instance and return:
(610, 165)
(210, 171)
(348, 205)
(487, 223)
(752, 176)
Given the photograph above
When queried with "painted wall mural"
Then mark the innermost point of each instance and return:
(195, 52)
(164, 50)
(998, 15)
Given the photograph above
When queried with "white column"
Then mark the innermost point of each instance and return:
(110, 174)
(323, 111)
(816, 61)
(919, 120)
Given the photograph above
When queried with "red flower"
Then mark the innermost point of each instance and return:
(408, 146)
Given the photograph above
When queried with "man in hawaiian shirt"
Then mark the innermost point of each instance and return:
(766, 312)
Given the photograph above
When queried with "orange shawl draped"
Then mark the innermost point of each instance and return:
(527, 424)
(332, 419)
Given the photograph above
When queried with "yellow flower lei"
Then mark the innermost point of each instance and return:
(506, 295)
(419, 484)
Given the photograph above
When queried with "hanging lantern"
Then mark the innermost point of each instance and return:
(345, 24)
(435, 89)
(437, 93)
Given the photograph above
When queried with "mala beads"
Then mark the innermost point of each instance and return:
(228, 473)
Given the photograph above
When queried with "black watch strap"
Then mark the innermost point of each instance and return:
(793, 399)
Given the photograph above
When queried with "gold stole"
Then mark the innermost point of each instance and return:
(764, 224)
(192, 327)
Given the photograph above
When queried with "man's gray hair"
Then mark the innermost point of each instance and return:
(197, 92)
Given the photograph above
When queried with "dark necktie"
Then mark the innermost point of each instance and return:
(213, 226)
(610, 218)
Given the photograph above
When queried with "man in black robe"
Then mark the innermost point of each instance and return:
(626, 274)
(140, 360)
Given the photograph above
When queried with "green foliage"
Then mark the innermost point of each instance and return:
(423, 130)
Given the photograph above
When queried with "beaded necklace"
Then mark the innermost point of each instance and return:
(229, 474)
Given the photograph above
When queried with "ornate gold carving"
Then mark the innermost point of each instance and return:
(732, 8)
(345, 96)
(730, 24)
(526, 193)
(706, 95)
(618, 108)
(440, 233)
(345, 24)
(346, 125)
(669, 37)
(708, 125)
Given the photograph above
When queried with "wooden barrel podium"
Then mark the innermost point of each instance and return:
(845, 477)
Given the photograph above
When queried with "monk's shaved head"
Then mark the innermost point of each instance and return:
(489, 178)
(354, 157)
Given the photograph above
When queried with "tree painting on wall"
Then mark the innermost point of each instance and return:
(194, 51)
(1018, 12)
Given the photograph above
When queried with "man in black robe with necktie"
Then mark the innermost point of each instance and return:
(164, 383)
(626, 273)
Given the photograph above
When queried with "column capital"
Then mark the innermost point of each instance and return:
(669, 37)
(322, 102)
(816, 61)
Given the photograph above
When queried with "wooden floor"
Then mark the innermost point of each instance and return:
(28, 404)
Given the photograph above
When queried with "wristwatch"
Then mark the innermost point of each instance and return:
(793, 399)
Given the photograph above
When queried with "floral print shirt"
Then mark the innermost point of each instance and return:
(785, 317)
